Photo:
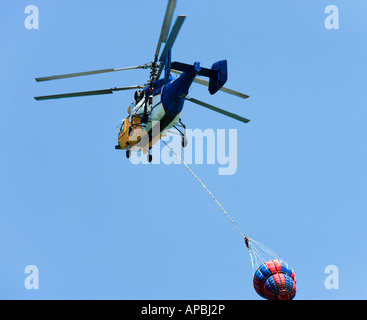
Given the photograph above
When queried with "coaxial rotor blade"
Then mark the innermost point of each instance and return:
(170, 42)
(224, 89)
(166, 26)
(172, 37)
(209, 106)
(86, 93)
(88, 73)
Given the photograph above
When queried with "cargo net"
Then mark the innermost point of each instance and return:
(259, 253)
(273, 278)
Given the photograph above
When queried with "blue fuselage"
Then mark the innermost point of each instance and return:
(173, 92)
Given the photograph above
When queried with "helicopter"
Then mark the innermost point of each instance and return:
(158, 104)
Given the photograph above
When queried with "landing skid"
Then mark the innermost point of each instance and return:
(181, 125)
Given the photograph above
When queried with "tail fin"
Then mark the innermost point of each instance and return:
(216, 82)
(217, 75)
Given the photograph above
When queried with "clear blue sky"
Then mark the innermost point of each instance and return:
(99, 227)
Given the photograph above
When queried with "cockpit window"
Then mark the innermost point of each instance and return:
(138, 95)
(122, 125)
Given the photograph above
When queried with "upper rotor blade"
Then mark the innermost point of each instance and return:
(229, 114)
(86, 93)
(87, 73)
(169, 44)
(172, 37)
(166, 26)
(224, 89)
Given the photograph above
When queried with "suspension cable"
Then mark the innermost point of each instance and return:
(207, 190)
